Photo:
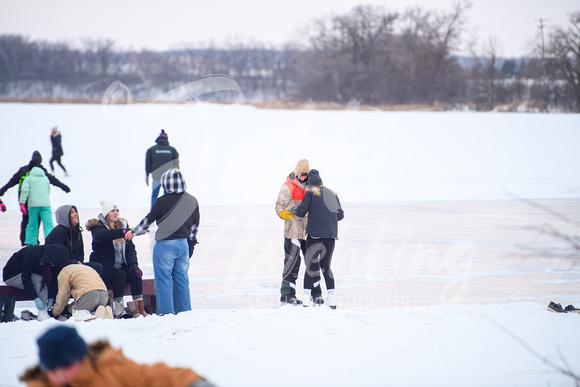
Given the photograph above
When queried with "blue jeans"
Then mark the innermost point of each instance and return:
(170, 267)
(156, 185)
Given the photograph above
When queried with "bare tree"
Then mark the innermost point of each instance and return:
(486, 73)
(562, 55)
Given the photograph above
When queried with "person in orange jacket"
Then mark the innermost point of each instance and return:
(66, 360)
(291, 194)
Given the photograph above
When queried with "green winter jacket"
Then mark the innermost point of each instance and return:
(36, 189)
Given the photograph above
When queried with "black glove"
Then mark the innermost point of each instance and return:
(191, 244)
(292, 209)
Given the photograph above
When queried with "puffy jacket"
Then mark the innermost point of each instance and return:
(103, 247)
(36, 189)
(324, 213)
(75, 280)
(64, 235)
(23, 172)
(291, 194)
(160, 158)
(104, 366)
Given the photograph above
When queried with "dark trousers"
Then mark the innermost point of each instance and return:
(135, 281)
(57, 159)
(292, 248)
(318, 258)
(116, 279)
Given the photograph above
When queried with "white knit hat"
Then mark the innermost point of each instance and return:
(107, 206)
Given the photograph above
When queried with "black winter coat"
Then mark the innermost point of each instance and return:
(23, 172)
(160, 158)
(324, 212)
(30, 259)
(103, 249)
(64, 235)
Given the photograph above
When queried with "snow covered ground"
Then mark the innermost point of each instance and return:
(440, 279)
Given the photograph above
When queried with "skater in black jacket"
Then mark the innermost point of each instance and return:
(57, 152)
(159, 159)
(324, 212)
(19, 177)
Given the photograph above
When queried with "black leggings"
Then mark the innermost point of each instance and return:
(116, 279)
(57, 159)
(318, 257)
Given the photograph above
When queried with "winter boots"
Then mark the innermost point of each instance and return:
(291, 300)
(118, 308)
(137, 307)
(104, 312)
(7, 304)
(331, 300)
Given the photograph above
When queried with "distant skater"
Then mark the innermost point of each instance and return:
(159, 159)
(17, 180)
(57, 152)
(324, 212)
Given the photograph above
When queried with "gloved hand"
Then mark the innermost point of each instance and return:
(138, 272)
(285, 214)
(2, 206)
(292, 209)
(147, 180)
(50, 303)
(191, 244)
(39, 304)
(23, 209)
(66, 189)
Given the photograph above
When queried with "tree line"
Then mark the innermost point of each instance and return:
(370, 54)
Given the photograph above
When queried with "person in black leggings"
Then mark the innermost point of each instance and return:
(324, 212)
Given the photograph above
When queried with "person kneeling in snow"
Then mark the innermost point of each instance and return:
(87, 288)
(66, 360)
(34, 269)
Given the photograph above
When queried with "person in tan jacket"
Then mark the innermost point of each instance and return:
(66, 360)
(85, 286)
(291, 194)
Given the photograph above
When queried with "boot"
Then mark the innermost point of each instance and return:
(132, 306)
(118, 308)
(8, 309)
(141, 306)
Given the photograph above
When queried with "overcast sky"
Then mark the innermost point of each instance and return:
(167, 24)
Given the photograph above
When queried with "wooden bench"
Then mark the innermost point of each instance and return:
(149, 299)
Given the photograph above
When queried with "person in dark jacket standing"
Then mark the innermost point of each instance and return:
(68, 233)
(35, 269)
(117, 255)
(324, 212)
(18, 178)
(177, 216)
(159, 159)
(57, 152)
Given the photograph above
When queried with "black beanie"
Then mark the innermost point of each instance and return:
(314, 179)
(60, 347)
(56, 255)
(162, 136)
(36, 159)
